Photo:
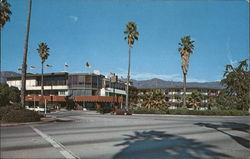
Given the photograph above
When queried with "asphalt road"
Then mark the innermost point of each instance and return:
(88, 135)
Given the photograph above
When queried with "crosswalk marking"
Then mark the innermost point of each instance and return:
(57, 145)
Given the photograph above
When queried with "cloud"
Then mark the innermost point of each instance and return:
(147, 76)
(195, 80)
(73, 18)
(229, 53)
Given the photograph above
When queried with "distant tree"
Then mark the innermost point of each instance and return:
(185, 49)
(4, 94)
(14, 94)
(8, 95)
(194, 99)
(132, 35)
(237, 82)
(24, 65)
(43, 51)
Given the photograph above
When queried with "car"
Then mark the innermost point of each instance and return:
(121, 111)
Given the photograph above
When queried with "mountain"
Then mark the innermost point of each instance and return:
(5, 74)
(158, 83)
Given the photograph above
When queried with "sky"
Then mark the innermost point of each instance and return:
(80, 31)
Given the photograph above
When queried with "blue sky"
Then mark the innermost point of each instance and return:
(80, 31)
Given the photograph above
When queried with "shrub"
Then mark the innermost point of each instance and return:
(17, 114)
(191, 112)
(149, 111)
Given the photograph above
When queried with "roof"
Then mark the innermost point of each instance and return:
(32, 76)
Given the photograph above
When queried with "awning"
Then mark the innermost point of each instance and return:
(97, 99)
(48, 98)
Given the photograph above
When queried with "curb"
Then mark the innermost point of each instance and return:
(43, 120)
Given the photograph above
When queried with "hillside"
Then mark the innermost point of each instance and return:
(158, 83)
(5, 74)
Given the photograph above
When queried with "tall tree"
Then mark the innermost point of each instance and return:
(43, 51)
(185, 49)
(24, 65)
(5, 13)
(237, 82)
(132, 35)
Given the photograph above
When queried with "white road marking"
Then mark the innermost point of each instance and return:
(57, 145)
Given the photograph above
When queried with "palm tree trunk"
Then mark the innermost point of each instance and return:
(128, 78)
(184, 91)
(1, 51)
(24, 65)
(42, 88)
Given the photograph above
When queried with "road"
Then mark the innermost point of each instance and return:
(88, 135)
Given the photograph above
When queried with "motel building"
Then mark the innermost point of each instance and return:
(174, 95)
(87, 90)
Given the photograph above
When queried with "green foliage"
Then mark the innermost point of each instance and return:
(8, 95)
(237, 82)
(194, 99)
(132, 33)
(70, 104)
(18, 114)
(154, 100)
(5, 12)
(43, 51)
(192, 112)
(186, 44)
(14, 94)
(150, 111)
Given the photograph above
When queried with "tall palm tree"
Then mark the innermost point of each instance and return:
(24, 65)
(132, 35)
(5, 13)
(43, 51)
(186, 48)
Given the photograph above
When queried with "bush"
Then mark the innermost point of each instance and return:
(150, 111)
(192, 112)
(17, 114)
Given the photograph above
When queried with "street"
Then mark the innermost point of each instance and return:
(88, 135)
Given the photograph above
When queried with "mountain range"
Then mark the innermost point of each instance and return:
(159, 83)
(5, 74)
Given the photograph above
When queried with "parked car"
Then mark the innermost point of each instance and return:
(121, 111)
(37, 109)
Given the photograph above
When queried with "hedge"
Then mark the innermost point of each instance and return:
(192, 112)
(14, 114)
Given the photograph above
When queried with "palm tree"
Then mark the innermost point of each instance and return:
(5, 13)
(132, 35)
(43, 51)
(186, 48)
(24, 65)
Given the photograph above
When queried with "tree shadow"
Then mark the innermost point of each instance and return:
(159, 145)
(233, 126)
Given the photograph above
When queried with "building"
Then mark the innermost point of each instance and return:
(84, 89)
(174, 95)
(91, 90)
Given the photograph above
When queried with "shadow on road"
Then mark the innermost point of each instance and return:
(233, 126)
(158, 144)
